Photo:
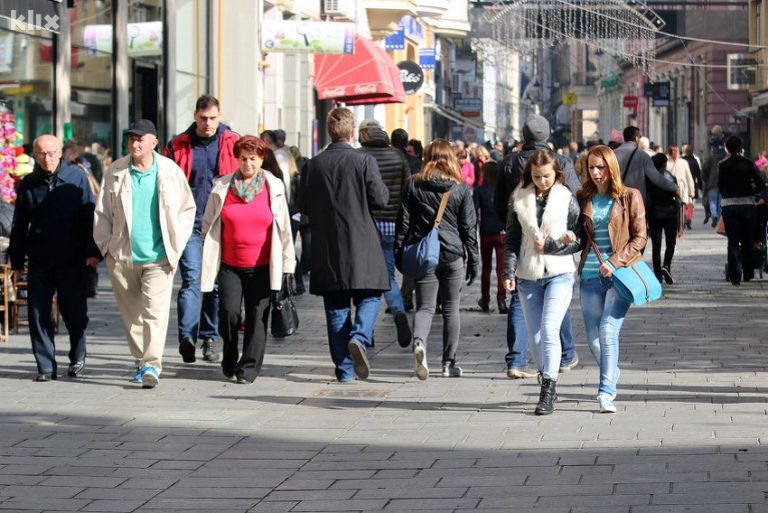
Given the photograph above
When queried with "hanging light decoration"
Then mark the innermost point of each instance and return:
(625, 28)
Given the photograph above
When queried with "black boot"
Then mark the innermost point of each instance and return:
(547, 397)
(503, 308)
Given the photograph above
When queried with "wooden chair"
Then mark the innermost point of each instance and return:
(5, 276)
(21, 290)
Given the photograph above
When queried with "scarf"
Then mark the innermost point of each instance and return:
(247, 191)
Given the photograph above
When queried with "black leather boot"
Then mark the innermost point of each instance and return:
(547, 397)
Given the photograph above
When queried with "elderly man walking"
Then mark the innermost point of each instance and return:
(144, 217)
(53, 228)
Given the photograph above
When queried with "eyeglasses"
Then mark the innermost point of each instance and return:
(47, 154)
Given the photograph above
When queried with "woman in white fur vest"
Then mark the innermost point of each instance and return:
(543, 232)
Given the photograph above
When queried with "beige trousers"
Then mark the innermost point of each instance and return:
(143, 295)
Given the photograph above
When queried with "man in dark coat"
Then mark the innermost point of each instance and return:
(395, 173)
(53, 228)
(739, 181)
(339, 190)
(637, 166)
(536, 131)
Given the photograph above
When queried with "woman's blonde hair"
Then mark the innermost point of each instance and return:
(615, 188)
(440, 163)
(483, 153)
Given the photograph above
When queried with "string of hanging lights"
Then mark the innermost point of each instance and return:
(627, 28)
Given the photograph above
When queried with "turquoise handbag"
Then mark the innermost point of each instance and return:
(636, 283)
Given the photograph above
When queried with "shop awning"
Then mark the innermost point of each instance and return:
(366, 77)
(456, 117)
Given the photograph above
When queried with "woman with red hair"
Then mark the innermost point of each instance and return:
(248, 246)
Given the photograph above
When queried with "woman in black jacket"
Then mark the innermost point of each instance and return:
(663, 213)
(421, 199)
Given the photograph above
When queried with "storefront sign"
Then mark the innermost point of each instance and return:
(661, 94)
(427, 58)
(469, 107)
(316, 37)
(395, 41)
(144, 39)
(630, 102)
(411, 75)
(412, 29)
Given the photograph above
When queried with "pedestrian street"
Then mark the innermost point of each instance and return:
(690, 433)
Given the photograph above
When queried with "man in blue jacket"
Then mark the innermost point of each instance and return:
(53, 228)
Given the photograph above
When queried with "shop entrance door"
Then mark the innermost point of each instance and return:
(145, 100)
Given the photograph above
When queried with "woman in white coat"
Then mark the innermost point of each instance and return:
(248, 246)
(543, 232)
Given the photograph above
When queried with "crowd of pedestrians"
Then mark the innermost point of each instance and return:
(225, 211)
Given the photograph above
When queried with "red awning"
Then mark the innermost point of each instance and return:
(368, 76)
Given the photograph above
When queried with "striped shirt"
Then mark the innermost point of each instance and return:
(386, 228)
(601, 213)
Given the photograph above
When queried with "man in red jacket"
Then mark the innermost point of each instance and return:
(203, 152)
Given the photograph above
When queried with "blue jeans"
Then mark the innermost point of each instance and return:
(545, 302)
(196, 319)
(517, 337)
(341, 328)
(604, 311)
(713, 196)
(392, 296)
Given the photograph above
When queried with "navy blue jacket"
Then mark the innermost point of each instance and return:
(53, 219)
(490, 224)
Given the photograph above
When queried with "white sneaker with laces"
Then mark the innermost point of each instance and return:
(605, 402)
(420, 367)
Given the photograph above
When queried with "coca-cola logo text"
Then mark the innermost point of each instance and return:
(365, 89)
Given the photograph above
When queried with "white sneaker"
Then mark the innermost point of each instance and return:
(605, 402)
(451, 370)
(420, 367)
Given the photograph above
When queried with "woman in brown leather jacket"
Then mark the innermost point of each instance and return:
(614, 222)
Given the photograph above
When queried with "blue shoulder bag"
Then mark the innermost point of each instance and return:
(636, 283)
(423, 256)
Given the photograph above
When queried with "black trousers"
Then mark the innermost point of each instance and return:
(251, 286)
(68, 282)
(667, 227)
(740, 227)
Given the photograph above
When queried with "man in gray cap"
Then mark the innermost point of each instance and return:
(535, 134)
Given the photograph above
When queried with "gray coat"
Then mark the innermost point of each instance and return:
(640, 169)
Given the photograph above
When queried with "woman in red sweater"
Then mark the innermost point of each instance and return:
(248, 246)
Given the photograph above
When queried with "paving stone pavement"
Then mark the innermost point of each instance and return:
(690, 433)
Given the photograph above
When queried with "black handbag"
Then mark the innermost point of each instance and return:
(285, 319)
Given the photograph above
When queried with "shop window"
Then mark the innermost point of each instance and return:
(26, 80)
(91, 78)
